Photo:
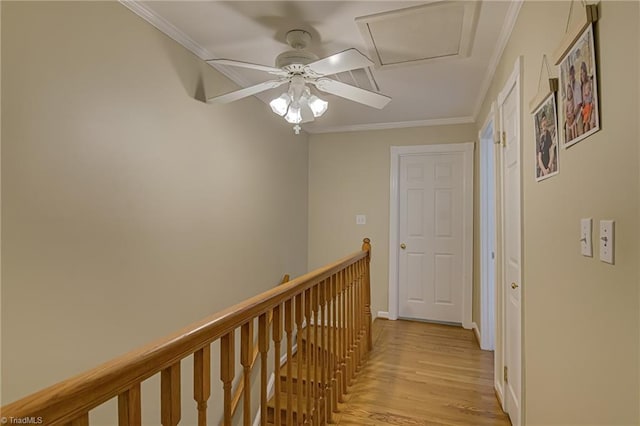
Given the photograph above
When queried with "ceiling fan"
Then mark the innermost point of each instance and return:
(300, 68)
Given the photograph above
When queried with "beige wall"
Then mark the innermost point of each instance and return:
(129, 209)
(349, 174)
(581, 322)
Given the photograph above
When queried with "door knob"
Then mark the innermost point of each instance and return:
(403, 246)
(514, 286)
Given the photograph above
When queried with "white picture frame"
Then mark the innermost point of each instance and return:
(578, 91)
(545, 127)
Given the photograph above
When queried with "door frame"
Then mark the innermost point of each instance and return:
(512, 84)
(397, 152)
(487, 137)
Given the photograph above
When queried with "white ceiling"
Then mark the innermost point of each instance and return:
(441, 91)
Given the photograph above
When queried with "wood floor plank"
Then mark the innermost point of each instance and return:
(423, 374)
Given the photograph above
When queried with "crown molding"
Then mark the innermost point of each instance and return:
(166, 27)
(180, 37)
(505, 34)
(392, 125)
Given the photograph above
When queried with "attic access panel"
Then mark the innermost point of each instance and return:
(433, 31)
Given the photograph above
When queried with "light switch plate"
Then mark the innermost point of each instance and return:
(607, 240)
(586, 247)
(361, 219)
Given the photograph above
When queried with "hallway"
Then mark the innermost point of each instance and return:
(423, 374)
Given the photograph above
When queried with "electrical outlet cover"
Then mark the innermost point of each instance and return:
(607, 241)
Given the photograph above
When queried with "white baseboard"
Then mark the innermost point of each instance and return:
(497, 386)
(476, 331)
(383, 315)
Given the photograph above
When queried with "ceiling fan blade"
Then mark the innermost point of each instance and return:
(247, 91)
(240, 64)
(348, 60)
(352, 93)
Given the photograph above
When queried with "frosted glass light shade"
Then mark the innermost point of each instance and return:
(280, 104)
(318, 106)
(306, 113)
(293, 115)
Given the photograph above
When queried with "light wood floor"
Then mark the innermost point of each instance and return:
(423, 374)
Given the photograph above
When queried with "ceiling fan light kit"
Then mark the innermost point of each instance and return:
(298, 105)
(300, 67)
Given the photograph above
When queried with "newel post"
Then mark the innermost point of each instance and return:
(366, 246)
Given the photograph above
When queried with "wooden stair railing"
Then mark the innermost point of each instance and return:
(328, 311)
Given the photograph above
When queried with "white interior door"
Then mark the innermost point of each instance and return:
(511, 257)
(431, 235)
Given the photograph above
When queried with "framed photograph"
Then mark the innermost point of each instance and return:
(578, 90)
(546, 133)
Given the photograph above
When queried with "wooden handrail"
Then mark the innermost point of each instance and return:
(69, 401)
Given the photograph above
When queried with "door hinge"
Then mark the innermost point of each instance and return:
(504, 138)
(506, 374)
(493, 255)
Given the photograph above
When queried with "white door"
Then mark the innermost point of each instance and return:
(431, 231)
(511, 266)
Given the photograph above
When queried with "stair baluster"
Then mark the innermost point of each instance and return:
(129, 410)
(277, 342)
(308, 355)
(289, 330)
(202, 382)
(356, 322)
(300, 362)
(358, 317)
(170, 395)
(246, 349)
(227, 372)
(366, 247)
(349, 311)
(322, 350)
(315, 385)
(344, 332)
(263, 346)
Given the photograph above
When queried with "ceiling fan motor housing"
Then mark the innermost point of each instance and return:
(298, 39)
(295, 57)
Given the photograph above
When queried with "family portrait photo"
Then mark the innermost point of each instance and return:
(546, 133)
(578, 91)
